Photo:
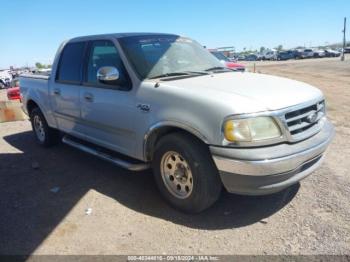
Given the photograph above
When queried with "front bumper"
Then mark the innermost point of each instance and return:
(269, 169)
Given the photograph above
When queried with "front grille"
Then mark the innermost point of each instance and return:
(304, 119)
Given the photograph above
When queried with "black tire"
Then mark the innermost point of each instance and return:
(206, 183)
(50, 135)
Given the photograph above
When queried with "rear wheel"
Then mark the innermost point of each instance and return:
(185, 173)
(45, 135)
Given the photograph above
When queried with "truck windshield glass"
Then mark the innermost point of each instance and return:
(159, 55)
(220, 56)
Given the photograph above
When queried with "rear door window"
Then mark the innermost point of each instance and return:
(70, 65)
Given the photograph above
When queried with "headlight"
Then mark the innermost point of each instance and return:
(251, 129)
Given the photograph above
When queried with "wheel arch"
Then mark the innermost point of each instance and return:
(158, 130)
(31, 104)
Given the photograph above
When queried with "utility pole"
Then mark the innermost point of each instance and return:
(344, 40)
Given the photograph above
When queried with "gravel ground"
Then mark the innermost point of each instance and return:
(62, 201)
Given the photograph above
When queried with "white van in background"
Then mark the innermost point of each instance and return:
(269, 54)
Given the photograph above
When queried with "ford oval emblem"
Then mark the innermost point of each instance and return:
(312, 117)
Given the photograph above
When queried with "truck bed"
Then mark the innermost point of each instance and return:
(38, 86)
(36, 76)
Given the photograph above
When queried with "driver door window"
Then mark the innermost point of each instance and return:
(104, 53)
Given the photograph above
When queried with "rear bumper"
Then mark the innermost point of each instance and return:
(265, 170)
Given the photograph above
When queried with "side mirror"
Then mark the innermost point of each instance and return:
(107, 73)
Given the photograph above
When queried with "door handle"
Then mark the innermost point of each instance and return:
(57, 91)
(89, 97)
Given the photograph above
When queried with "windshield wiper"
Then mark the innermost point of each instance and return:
(186, 73)
(216, 68)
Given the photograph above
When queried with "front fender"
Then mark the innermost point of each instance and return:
(168, 125)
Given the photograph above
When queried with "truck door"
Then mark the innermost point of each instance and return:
(65, 88)
(108, 107)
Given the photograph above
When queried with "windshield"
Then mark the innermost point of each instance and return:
(220, 56)
(156, 55)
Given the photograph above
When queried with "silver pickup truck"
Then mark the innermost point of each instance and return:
(142, 100)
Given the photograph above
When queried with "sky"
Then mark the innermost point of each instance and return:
(31, 31)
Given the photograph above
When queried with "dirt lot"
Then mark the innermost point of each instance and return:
(44, 194)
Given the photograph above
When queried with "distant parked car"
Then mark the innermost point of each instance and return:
(347, 50)
(331, 53)
(227, 62)
(285, 55)
(241, 57)
(13, 93)
(307, 53)
(259, 57)
(5, 83)
(233, 58)
(297, 53)
(2, 84)
(269, 55)
(251, 57)
(5, 78)
(318, 53)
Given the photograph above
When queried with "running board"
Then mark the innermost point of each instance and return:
(105, 156)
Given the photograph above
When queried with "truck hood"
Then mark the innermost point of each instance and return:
(258, 92)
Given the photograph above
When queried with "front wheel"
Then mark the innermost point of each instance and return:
(185, 173)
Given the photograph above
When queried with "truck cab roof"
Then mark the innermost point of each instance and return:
(115, 35)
